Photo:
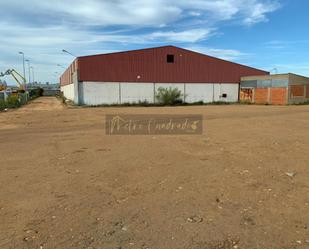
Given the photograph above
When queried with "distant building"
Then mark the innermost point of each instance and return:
(279, 89)
(49, 89)
(133, 76)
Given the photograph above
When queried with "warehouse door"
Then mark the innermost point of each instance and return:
(246, 95)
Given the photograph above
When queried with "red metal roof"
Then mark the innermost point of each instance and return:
(150, 65)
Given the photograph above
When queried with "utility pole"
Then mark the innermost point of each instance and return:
(56, 74)
(29, 70)
(32, 74)
(22, 53)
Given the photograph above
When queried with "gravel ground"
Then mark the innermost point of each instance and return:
(242, 184)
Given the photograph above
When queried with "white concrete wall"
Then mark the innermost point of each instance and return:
(68, 91)
(199, 92)
(98, 93)
(217, 92)
(136, 92)
(232, 91)
(76, 87)
(211, 92)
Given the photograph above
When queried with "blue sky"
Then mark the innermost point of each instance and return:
(265, 34)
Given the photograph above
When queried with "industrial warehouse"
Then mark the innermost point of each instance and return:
(135, 76)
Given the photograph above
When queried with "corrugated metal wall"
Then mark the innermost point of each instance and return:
(67, 77)
(150, 65)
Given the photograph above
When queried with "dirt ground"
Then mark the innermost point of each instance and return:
(65, 184)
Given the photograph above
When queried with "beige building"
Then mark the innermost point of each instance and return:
(278, 89)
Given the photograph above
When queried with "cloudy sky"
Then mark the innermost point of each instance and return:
(261, 33)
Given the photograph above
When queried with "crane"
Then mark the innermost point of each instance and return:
(15, 75)
(2, 86)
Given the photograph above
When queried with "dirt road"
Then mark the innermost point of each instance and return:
(65, 184)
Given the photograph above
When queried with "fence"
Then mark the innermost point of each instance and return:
(13, 100)
(2, 96)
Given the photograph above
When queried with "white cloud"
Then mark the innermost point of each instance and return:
(43, 28)
(258, 12)
(145, 12)
(194, 13)
(225, 54)
(248, 11)
(283, 44)
(193, 35)
(108, 12)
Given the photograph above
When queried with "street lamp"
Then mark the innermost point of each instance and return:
(29, 69)
(32, 74)
(59, 65)
(67, 52)
(275, 70)
(56, 75)
(22, 53)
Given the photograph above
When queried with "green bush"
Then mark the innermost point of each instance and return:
(303, 103)
(23, 98)
(144, 103)
(3, 105)
(219, 103)
(41, 91)
(201, 102)
(13, 101)
(61, 97)
(35, 93)
(169, 96)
